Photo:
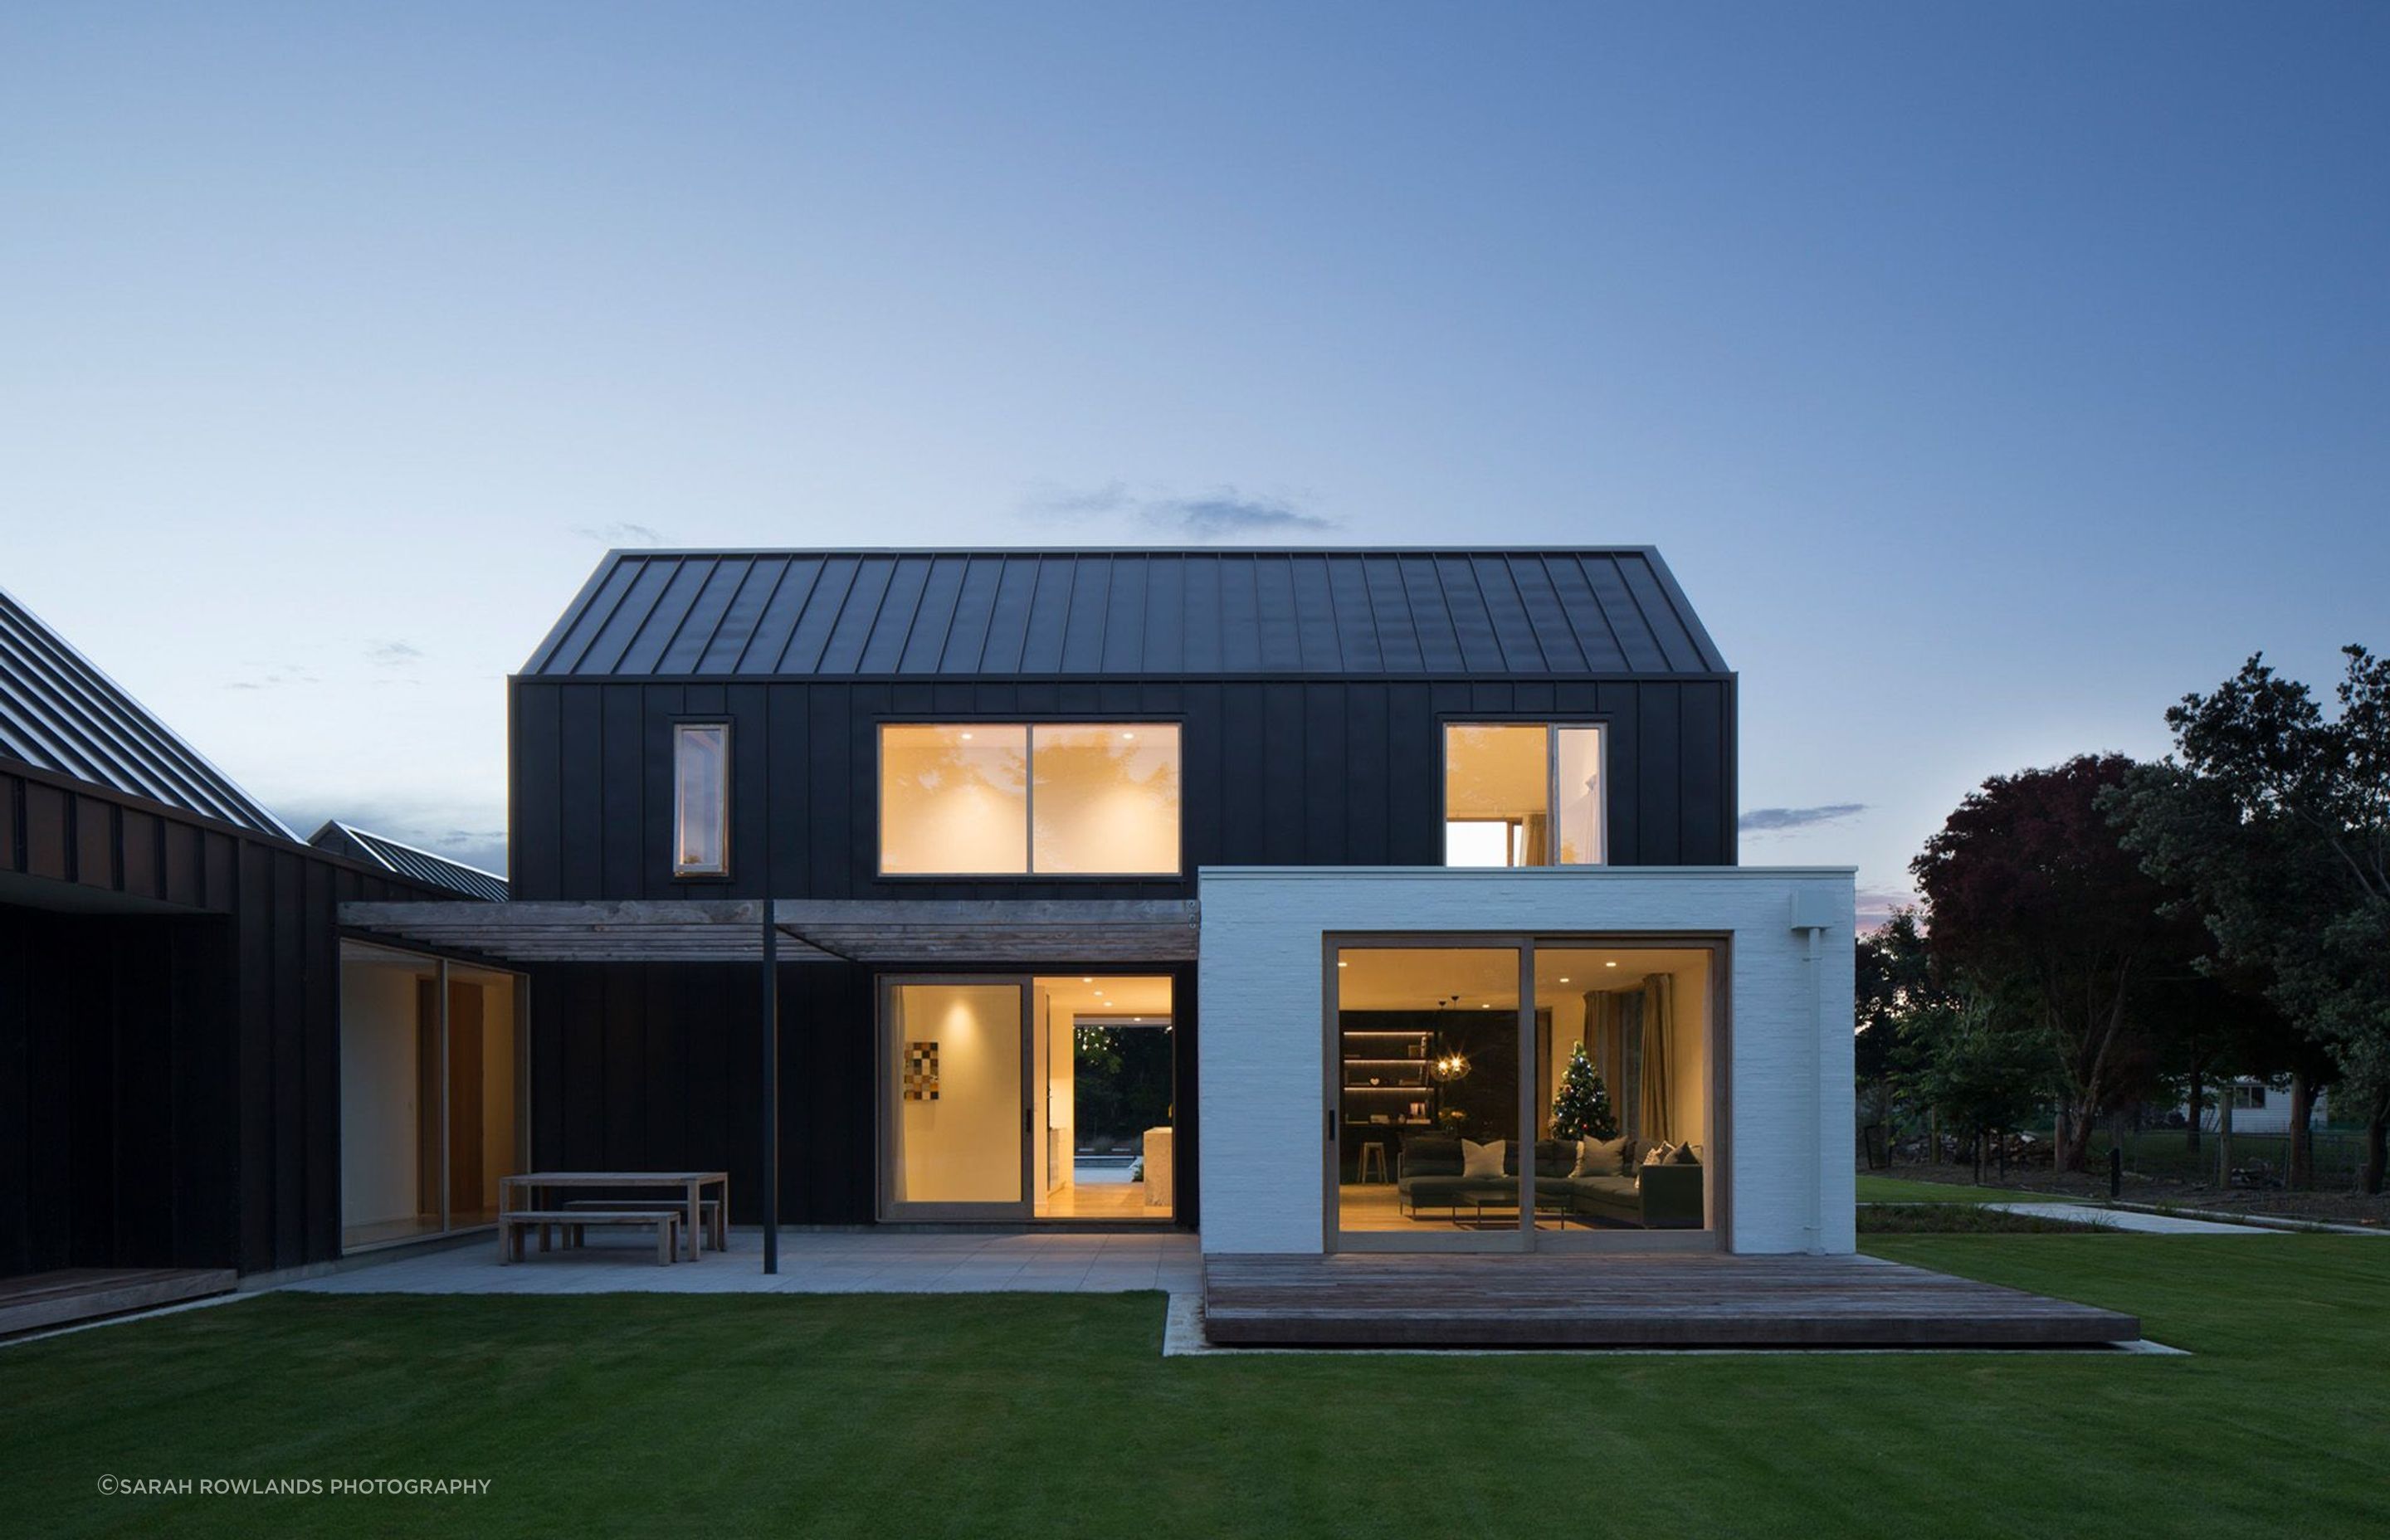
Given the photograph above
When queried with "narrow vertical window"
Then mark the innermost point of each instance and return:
(702, 799)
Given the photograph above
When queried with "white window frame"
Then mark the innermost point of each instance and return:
(1552, 728)
(682, 732)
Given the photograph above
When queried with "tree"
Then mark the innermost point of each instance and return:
(2278, 821)
(2031, 898)
(1980, 1073)
(1581, 1107)
(1897, 984)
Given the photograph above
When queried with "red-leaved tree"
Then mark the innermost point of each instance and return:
(2031, 898)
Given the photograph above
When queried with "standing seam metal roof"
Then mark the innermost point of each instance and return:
(60, 714)
(1002, 613)
(404, 860)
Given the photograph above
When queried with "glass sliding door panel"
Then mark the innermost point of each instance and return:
(1624, 1084)
(955, 1095)
(1427, 1087)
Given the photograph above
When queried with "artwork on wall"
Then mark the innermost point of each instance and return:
(921, 1071)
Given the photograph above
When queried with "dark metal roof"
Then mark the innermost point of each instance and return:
(1004, 613)
(404, 860)
(60, 714)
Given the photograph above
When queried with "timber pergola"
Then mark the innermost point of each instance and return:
(771, 932)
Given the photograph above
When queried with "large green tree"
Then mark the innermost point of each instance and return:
(2056, 927)
(2277, 818)
(1900, 995)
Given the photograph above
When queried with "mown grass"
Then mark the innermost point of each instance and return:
(1055, 1416)
(1964, 1219)
(1901, 1190)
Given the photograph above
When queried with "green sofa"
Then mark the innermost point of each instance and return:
(1664, 1197)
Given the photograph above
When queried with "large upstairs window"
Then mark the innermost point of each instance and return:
(988, 798)
(1523, 794)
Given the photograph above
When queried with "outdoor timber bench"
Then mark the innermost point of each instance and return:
(710, 1221)
(514, 1222)
(696, 1213)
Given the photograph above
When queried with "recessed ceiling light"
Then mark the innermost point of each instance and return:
(1342, 963)
(1486, 1007)
(1564, 977)
(967, 738)
(1086, 980)
(1129, 734)
(1609, 965)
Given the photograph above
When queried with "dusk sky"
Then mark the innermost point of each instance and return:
(1990, 376)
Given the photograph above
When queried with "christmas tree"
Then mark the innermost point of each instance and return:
(1581, 1111)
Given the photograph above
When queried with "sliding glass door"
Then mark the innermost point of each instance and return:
(1516, 1093)
(955, 1079)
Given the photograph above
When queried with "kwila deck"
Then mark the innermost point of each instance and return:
(31, 1302)
(1630, 1301)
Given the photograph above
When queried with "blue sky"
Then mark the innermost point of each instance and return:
(1990, 376)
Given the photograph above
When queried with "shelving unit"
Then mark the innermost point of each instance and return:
(1397, 1060)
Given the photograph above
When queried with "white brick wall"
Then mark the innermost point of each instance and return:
(1787, 1142)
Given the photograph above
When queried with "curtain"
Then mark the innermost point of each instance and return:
(1617, 1040)
(1659, 1013)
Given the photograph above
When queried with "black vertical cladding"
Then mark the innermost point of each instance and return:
(694, 1061)
(1274, 771)
(650, 1063)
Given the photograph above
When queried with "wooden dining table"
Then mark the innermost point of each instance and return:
(691, 1183)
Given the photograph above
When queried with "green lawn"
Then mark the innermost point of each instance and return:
(1055, 1416)
(1900, 1190)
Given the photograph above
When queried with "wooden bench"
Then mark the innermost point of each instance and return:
(511, 1225)
(717, 1235)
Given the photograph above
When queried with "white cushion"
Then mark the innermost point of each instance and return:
(1480, 1160)
(1658, 1153)
(1598, 1156)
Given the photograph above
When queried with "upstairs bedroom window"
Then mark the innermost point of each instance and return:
(702, 799)
(1523, 794)
(988, 798)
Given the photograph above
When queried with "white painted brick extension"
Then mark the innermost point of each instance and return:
(1787, 1143)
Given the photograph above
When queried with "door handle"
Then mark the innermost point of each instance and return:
(1331, 1126)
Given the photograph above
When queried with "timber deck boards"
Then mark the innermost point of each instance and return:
(34, 1302)
(1630, 1301)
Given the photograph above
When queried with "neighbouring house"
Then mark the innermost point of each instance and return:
(400, 859)
(2258, 1107)
(171, 1063)
(1279, 894)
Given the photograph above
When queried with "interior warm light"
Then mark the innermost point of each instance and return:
(967, 738)
(1564, 977)
(1341, 963)
(1131, 737)
(1086, 980)
(1609, 965)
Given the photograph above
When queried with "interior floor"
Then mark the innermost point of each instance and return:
(1099, 1201)
(1376, 1206)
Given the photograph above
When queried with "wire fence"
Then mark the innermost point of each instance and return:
(2257, 1160)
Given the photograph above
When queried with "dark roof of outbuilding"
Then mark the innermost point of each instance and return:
(1007, 613)
(60, 714)
(406, 861)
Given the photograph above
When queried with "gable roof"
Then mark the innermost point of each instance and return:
(60, 714)
(405, 860)
(1009, 613)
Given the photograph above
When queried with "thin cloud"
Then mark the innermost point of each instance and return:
(1225, 514)
(1876, 907)
(1776, 820)
(393, 654)
(1222, 513)
(611, 535)
(275, 677)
